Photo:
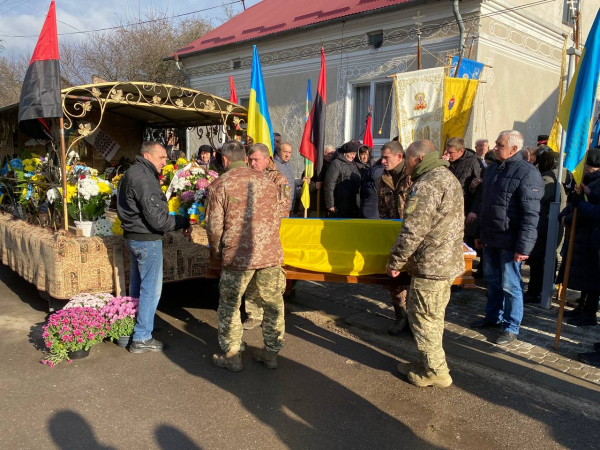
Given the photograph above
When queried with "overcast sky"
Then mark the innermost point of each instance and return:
(26, 17)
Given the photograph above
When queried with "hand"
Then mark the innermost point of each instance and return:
(445, 157)
(576, 199)
(391, 272)
(478, 244)
(586, 190)
(476, 182)
(306, 180)
(520, 258)
(471, 217)
(319, 184)
(187, 232)
(332, 209)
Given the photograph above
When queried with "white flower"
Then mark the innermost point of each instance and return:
(179, 184)
(197, 171)
(52, 195)
(88, 188)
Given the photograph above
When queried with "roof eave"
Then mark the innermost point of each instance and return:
(304, 27)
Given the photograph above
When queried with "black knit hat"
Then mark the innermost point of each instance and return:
(348, 147)
(593, 157)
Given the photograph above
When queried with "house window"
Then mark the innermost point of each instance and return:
(376, 39)
(376, 94)
(567, 12)
(244, 102)
(236, 63)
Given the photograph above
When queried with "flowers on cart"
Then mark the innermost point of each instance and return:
(88, 197)
(120, 314)
(188, 189)
(85, 300)
(70, 330)
(103, 227)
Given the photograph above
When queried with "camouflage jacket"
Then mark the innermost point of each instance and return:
(392, 199)
(430, 242)
(284, 193)
(242, 225)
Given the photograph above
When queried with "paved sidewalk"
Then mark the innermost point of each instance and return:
(532, 357)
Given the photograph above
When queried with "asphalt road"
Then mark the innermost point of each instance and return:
(331, 391)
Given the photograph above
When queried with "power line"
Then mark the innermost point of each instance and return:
(129, 24)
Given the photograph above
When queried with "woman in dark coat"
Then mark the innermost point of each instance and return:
(364, 161)
(342, 184)
(585, 266)
(548, 167)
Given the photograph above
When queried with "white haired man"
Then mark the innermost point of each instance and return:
(507, 230)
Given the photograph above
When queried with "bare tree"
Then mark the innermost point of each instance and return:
(134, 51)
(12, 72)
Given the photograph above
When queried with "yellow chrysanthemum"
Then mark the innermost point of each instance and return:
(174, 204)
(167, 169)
(71, 192)
(105, 188)
(27, 162)
(28, 168)
(201, 208)
(117, 228)
(182, 162)
(164, 188)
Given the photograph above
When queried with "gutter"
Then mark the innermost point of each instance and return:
(305, 27)
(184, 72)
(461, 26)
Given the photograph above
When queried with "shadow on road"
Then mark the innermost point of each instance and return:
(170, 438)
(71, 431)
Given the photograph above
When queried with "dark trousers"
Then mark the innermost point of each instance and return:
(536, 275)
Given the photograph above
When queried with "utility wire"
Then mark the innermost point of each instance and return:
(129, 24)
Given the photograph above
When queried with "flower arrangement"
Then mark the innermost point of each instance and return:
(116, 228)
(88, 196)
(96, 301)
(103, 227)
(73, 329)
(189, 187)
(120, 314)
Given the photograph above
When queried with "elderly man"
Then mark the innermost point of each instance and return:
(429, 246)
(481, 148)
(392, 193)
(144, 213)
(282, 159)
(243, 232)
(507, 231)
(260, 160)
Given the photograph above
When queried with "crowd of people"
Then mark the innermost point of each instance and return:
(497, 201)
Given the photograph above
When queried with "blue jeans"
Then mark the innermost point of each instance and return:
(145, 283)
(504, 288)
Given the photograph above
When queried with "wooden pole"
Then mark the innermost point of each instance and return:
(471, 47)
(305, 209)
(419, 49)
(565, 283)
(63, 173)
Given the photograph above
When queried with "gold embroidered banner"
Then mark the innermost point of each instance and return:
(459, 94)
(419, 105)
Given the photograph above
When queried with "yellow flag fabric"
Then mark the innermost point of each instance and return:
(459, 94)
(305, 197)
(553, 137)
(338, 246)
(567, 103)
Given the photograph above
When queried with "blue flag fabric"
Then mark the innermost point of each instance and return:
(259, 123)
(584, 98)
(468, 68)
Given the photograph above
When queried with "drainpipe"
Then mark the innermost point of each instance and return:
(186, 83)
(461, 26)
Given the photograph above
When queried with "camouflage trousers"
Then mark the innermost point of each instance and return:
(426, 306)
(253, 301)
(270, 283)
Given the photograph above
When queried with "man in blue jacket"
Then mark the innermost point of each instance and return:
(283, 158)
(507, 230)
(144, 213)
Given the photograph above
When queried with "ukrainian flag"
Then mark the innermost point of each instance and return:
(578, 105)
(259, 122)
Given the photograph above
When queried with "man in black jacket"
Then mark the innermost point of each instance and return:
(144, 213)
(466, 167)
(507, 231)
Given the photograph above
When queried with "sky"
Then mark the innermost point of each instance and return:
(26, 17)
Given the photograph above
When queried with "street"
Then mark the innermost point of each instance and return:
(332, 390)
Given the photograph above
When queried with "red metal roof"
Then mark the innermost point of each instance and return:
(276, 16)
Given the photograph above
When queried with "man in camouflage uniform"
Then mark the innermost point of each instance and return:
(243, 232)
(260, 160)
(429, 246)
(391, 195)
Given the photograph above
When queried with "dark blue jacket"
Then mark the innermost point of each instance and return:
(510, 205)
(591, 210)
(368, 192)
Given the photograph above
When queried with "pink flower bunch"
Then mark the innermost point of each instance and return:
(119, 308)
(69, 330)
(96, 301)
(212, 174)
(187, 196)
(202, 183)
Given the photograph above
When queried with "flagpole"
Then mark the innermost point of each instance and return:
(63, 173)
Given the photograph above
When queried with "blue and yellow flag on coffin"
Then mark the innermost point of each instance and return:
(259, 122)
(578, 104)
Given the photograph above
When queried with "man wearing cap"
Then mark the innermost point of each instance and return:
(342, 183)
(507, 230)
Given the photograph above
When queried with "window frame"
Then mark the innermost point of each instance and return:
(348, 122)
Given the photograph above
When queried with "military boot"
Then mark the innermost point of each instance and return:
(401, 320)
(264, 356)
(229, 361)
(422, 378)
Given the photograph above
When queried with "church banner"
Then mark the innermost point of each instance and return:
(419, 105)
(459, 95)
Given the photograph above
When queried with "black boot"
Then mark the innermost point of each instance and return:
(401, 320)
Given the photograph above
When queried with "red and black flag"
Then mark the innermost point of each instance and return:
(313, 138)
(40, 94)
(368, 139)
